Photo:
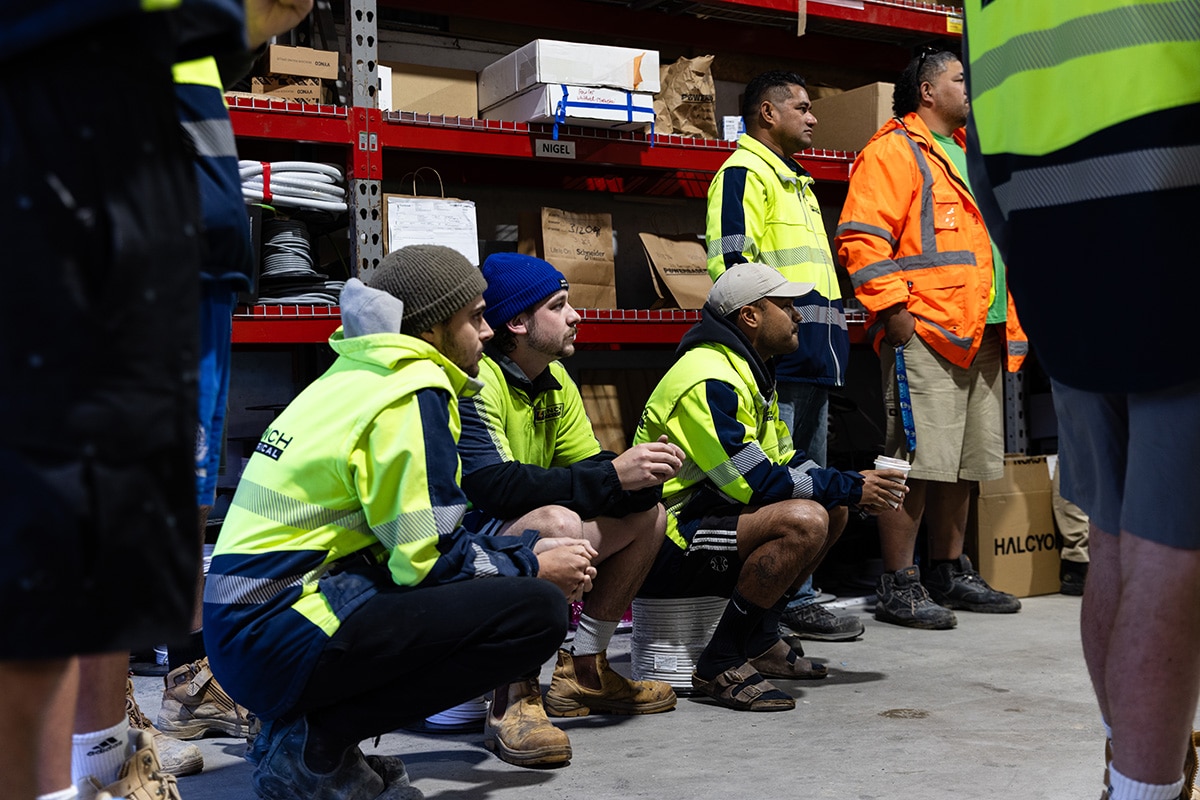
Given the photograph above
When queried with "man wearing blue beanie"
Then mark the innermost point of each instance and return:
(531, 461)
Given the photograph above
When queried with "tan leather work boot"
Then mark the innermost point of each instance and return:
(567, 697)
(521, 734)
(175, 757)
(141, 776)
(194, 704)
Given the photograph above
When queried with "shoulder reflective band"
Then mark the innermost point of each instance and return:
(906, 417)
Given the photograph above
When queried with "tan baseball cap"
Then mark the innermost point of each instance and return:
(743, 284)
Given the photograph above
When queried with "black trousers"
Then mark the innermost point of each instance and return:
(408, 653)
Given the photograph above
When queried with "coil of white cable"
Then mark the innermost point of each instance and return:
(293, 184)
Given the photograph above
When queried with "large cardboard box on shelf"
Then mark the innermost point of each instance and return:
(550, 61)
(589, 106)
(848, 120)
(428, 90)
(303, 62)
(300, 90)
(1010, 531)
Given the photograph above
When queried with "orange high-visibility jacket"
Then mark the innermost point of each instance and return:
(911, 233)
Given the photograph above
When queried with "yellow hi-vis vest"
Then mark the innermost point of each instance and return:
(1024, 51)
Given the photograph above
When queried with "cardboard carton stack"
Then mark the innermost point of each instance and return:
(572, 83)
(1010, 533)
(297, 74)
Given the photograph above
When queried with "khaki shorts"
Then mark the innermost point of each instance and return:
(957, 412)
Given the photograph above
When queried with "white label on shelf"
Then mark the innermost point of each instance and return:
(549, 148)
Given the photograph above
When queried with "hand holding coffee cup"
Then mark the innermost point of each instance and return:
(890, 474)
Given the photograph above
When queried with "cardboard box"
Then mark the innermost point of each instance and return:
(549, 61)
(300, 90)
(1010, 531)
(303, 62)
(848, 120)
(429, 90)
(589, 106)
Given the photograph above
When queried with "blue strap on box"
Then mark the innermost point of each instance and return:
(560, 111)
(906, 415)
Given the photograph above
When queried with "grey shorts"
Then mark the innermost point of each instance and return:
(1130, 460)
(957, 412)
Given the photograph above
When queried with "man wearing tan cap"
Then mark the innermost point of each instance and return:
(748, 517)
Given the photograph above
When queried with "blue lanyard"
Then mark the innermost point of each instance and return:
(906, 415)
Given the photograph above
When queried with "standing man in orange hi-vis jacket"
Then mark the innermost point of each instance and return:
(921, 261)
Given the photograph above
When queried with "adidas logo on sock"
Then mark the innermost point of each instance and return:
(105, 746)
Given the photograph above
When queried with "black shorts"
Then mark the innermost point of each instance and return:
(98, 348)
(709, 567)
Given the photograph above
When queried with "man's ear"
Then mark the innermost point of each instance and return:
(750, 316)
(429, 335)
(766, 113)
(518, 325)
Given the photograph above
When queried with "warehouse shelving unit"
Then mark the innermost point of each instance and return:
(364, 138)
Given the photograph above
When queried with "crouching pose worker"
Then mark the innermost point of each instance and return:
(748, 518)
(531, 460)
(340, 603)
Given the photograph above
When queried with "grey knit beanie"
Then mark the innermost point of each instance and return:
(433, 281)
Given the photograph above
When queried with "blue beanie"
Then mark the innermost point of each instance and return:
(516, 282)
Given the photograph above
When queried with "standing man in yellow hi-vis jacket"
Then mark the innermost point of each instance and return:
(1086, 152)
(345, 599)
(920, 259)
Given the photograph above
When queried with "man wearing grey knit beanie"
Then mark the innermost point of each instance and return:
(344, 558)
(531, 460)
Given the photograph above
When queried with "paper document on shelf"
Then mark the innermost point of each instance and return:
(433, 220)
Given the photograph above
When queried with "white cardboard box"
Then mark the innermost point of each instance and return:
(590, 106)
(572, 63)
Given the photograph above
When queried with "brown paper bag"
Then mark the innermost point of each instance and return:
(580, 245)
(678, 268)
(687, 102)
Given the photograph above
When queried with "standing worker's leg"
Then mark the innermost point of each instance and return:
(1124, 458)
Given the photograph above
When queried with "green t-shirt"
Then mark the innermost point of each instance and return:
(998, 310)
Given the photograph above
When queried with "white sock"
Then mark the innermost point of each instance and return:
(1107, 728)
(70, 793)
(100, 754)
(592, 636)
(1128, 789)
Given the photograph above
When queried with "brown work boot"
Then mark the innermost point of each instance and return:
(175, 757)
(194, 704)
(141, 776)
(568, 697)
(517, 730)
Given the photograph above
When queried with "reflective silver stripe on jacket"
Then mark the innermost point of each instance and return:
(241, 590)
(293, 513)
(1102, 177)
(212, 138)
(822, 315)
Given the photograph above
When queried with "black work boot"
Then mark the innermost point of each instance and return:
(902, 600)
(958, 585)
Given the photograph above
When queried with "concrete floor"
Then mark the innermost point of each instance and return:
(1001, 707)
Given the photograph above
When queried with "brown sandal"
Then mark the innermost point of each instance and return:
(743, 689)
(781, 661)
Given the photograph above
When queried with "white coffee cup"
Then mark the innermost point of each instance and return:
(884, 462)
